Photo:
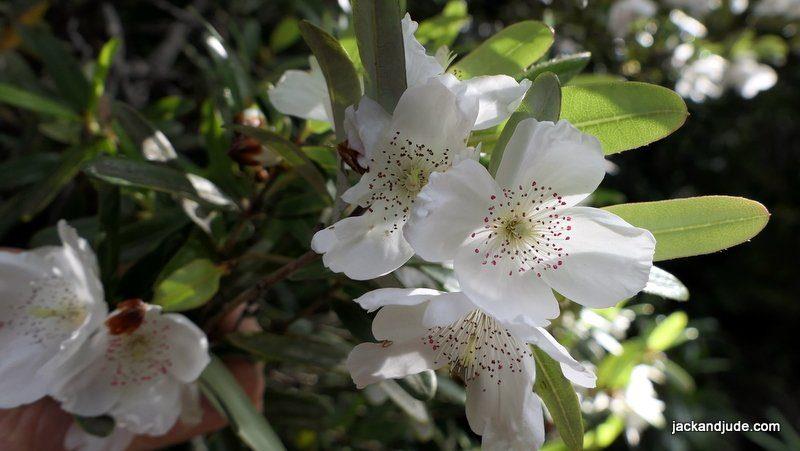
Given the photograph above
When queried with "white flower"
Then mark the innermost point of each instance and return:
(697, 8)
(785, 9)
(52, 300)
(427, 133)
(515, 239)
(79, 440)
(639, 404)
(305, 94)
(703, 78)
(749, 77)
(422, 329)
(624, 13)
(140, 369)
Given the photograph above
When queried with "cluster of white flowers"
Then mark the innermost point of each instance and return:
(57, 339)
(709, 75)
(511, 239)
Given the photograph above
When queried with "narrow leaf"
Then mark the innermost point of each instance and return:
(565, 67)
(541, 102)
(340, 74)
(153, 143)
(667, 332)
(421, 386)
(560, 399)
(20, 98)
(623, 115)
(380, 44)
(511, 51)
(664, 284)
(189, 286)
(696, 225)
(443, 28)
(224, 392)
(101, 68)
(296, 349)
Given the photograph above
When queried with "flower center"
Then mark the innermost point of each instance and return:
(524, 231)
(477, 344)
(415, 179)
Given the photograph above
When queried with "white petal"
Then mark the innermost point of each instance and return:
(395, 296)
(303, 94)
(498, 96)
(506, 413)
(556, 156)
(85, 386)
(571, 368)
(79, 440)
(365, 127)
(20, 381)
(188, 347)
(607, 259)
(450, 207)
(152, 409)
(584, 378)
(373, 362)
(500, 289)
(399, 322)
(362, 247)
(419, 65)
(446, 309)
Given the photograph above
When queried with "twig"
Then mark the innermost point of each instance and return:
(258, 289)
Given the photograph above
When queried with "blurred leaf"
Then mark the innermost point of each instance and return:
(605, 433)
(541, 102)
(623, 115)
(27, 168)
(188, 287)
(421, 386)
(153, 143)
(101, 68)
(443, 28)
(560, 398)
(303, 350)
(109, 218)
(60, 65)
(667, 332)
(325, 156)
(126, 172)
(291, 153)
(614, 371)
(234, 76)
(565, 67)
(678, 376)
(512, 50)
(380, 44)
(224, 392)
(664, 284)
(414, 408)
(20, 98)
(695, 225)
(341, 78)
(285, 33)
(101, 426)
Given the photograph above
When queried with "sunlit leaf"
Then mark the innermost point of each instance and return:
(560, 398)
(101, 68)
(614, 371)
(285, 33)
(696, 225)
(443, 28)
(188, 287)
(512, 50)
(623, 115)
(565, 67)
(667, 332)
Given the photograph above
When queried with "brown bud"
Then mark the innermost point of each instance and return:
(128, 316)
(246, 151)
(350, 157)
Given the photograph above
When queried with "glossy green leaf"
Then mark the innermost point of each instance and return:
(623, 115)
(380, 44)
(565, 66)
(126, 172)
(224, 392)
(560, 399)
(664, 284)
(285, 33)
(21, 98)
(667, 332)
(303, 350)
(443, 28)
(154, 145)
(696, 225)
(593, 79)
(511, 51)
(59, 64)
(341, 78)
(541, 102)
(188, 287)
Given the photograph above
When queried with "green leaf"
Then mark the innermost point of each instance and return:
(189, 287)
(443, 28)
(228, 67)
(59, 64)
(224, 392)
(667, 332)
(28, 168)
(664, 284)
(565, 67)
(541, 102)
(511, 51)
(101, 68)
(560, 399)
(284, 34)
(421, 386)
(101, 426)
(614, 371)
(291, 153)
(696, 225)
(304, 350)
(21, 98)
(155, 146)
(380, 44)
(340, 74)
(139, 174)
(623, 115)
(593, 79)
